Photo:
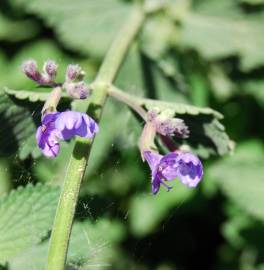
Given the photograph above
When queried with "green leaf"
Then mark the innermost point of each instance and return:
(38, 94)
(91, 244)
(14, 31)
(255, 88)
(241, 177)
(207, 134)
(18, 128)
(220, 29)
(85, 26)
(26, 217)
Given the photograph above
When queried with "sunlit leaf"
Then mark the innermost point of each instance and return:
(86, 26)
(92, 244)
(220, 30)
(38, 94)
(26, 217)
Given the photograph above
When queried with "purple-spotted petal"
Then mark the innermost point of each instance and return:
(190, 169)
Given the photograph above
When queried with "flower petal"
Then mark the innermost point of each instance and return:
(190, 169)
(155, 184)
(51, 150)
(169, 166)
(153, 159)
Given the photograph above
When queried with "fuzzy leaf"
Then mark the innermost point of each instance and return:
(86, 26)
(26, 217)
(91, 244)
(38, 94)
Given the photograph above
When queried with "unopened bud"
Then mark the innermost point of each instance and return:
(50, 67)
(78, 90)
(74, 73)
(165, 124)
(30, 68)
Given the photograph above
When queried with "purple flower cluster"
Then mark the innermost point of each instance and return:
(63, 126)
(184, 165)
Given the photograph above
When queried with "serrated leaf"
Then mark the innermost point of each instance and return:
(241, 177)
(86, 26)
(38, 94)
(26, 216)
(91, 243)
(18, 128)
(207, 134)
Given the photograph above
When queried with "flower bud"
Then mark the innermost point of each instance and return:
(50, 68)
(74, 73)
(165, 124)
(30, 68)
(78, 90)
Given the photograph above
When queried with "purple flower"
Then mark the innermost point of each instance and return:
(63, 126)
(184, 165)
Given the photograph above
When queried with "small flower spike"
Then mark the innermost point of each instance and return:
(184, 165)
(63, 126)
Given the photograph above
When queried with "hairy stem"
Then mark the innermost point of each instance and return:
(128, 99)
(53, 100)
(60, 236)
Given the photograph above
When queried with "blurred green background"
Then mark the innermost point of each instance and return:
(200, 52)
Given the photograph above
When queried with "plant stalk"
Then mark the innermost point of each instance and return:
(61, 232)
(128, 99)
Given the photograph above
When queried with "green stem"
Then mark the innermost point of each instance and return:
(60, 236)
(53, 100)
(128, 99)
